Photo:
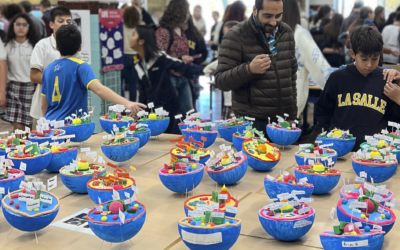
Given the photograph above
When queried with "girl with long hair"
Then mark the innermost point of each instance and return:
(379, 19)
(323, 12)
(20, 40)
(331, 48)
(153, 70)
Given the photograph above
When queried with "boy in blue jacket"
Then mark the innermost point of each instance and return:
(354, 98)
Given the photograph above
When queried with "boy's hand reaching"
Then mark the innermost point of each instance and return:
(135, 107)
(391, 75)
(393, 92)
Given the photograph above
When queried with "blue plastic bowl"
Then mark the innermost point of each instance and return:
(61, 159)
(346, 217)
(76, 183)
(157, 126)
(106, 195)
(283, 229)
(260, 165)
(120, 153)
(229, 233)
(143, 136)
(11, 185)
(379, 172)
(238, 142)
(210, 135)
(341, 146)
(182, 183)
(229, 176)
(203, 159)
(273, 188)
(108, 125)
(82, 132)
(283, 137)
(34, 165)
(356, 194)
(117, 232)
(331, 241)
(41, 140)
(300, 159)
(322, 183)
(29, 224)
(227, 132)
(184, 126)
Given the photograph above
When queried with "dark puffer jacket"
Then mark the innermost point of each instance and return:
(259, 96)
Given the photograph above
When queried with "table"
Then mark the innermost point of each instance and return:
(165, 208)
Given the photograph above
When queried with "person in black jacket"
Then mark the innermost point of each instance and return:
(153, 71)
(145, 15)
(197, 50)
(353, 98)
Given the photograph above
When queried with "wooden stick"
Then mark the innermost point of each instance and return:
(37, 242)
(9, 232)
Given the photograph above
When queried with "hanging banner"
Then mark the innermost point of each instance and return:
(79, 17)
(111, 39)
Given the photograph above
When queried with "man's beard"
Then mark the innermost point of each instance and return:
(265, 27)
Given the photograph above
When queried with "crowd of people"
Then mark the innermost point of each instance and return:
(261, 62)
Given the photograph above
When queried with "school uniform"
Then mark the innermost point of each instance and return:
(353, 102)
(20, 89)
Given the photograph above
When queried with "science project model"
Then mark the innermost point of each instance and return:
(349, 236)
(366, 210)
(76, 175)
(16, 139)
(62, 155)
(209, 230)
(117, 220)
(10, 178)
(30, 210)
(227, 128)
(107, 187)
(189, 150)
(261, 155)
(379, 165)
(342, 141)
(287, 220)
(157, 122)
(223, 201)
(379, 192)
(44, 133)
(139, 131)
(324, 178)
(114, 117)
(248, 133)
(119, 147)
(30, 158)
(283, 133)
(192, 118)
(381, 143)
(78, 124)
(199, 131)
(309, 153)
(286, 183)
(227, 167)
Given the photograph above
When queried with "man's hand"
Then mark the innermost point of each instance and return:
(135, 107)
(391, 75)
(395, 52)
(3, 101)
(187, 59)
(260, 64)
(393, 92)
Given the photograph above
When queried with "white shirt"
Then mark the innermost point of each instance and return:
(390, 35)
(18, 61)
(3, 53)
(43, 54)
(310, 61)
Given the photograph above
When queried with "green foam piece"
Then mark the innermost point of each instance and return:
(208, 215)
(284, 124)
(337, 231)
(342, 225)
(218, 220)
(33, 150)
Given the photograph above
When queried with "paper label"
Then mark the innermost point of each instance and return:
(85, 149)
(295, 192)
(270, 178)
(358, 224)
(2, 190)
(232, 210)
(218, 214)
(332, 214)
(302, 223)
(360, 243)
(202, 239)
(32, 204)
(377, 227)
(52, 183)
(22, 166)
(305, 179)
(359, 179)
(25, 197)
(304, 210)
(46, 198)
(121, 216)
(214, 205)
(348, 188)
(222, 196)
(363, 174)
(358, 204)
(307, 200)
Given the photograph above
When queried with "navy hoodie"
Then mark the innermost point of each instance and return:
(353, 102)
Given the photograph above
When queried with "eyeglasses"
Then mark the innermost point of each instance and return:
(272, 48)
(24, 25)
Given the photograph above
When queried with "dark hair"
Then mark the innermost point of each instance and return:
(216, 12)
(230, 24)
(131, 17)
(259, 4)
(366, 40)
(391, 18)
(26, 5)
(68, 39)
(358, 4)
(332, 30)
(11, 10)
(398, 8)
(236, 12)
(175, 14)
(397, 16)
(291, 13)
(146, 33)
(365, 11)
(378, 20)
(32, 35)
(323, 11)
(59, 11)
(45, 3)
(197, 35)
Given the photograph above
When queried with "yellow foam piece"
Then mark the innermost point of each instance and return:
(318, 167)
(263, 157)
(152, 116)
